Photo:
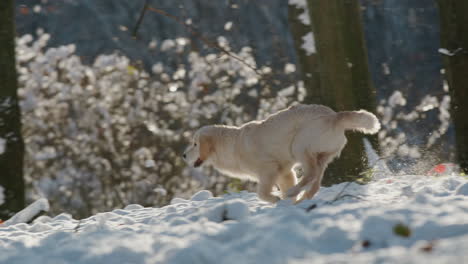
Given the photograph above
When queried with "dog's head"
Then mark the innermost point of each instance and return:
(200, 148)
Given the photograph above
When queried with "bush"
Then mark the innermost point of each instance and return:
(106, 135)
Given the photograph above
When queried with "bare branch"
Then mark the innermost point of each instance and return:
(192, 31)
(140, 19)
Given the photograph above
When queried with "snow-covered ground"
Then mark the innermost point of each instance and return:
(401, 219)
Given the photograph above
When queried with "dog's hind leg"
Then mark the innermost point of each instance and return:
(310, 168)
(311, 189)
(323, 159)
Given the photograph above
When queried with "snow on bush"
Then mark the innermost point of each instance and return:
(109, 134)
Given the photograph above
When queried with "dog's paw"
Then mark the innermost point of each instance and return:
(269, 198)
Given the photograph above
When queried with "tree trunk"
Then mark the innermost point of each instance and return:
(454, 39)
(308, 61)
(345, 82)
(11, 160)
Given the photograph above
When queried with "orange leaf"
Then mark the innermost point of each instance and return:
(440, 168)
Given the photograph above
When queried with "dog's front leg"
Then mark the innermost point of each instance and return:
(265, 187)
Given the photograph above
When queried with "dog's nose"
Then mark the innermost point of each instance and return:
(184, 156)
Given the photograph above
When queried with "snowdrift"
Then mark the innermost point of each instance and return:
(404, 219)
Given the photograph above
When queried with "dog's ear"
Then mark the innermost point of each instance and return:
(206, 146)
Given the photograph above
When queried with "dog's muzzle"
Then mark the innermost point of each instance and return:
(198, 163)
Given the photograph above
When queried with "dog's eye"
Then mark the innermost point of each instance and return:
(194, 144)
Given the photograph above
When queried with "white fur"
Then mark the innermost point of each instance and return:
(267, 150)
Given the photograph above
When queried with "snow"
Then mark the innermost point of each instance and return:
(228, 26)
(167, 44)
(446, 52)
(201, 195)
(462, 190)
(399, 219)
(309, 44)
(29, 213)
(2, 145)
(2, 196)
(289, 68)
(302, 4)
(378, 165)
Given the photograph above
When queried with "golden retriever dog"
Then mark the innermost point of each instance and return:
(266, 151)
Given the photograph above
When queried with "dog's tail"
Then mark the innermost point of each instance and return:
(361, 120)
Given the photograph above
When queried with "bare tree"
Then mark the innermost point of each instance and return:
(454, 44)
(341, 78)
(11, 158)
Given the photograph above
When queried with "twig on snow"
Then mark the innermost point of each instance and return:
(339, 194)
(77, 227)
